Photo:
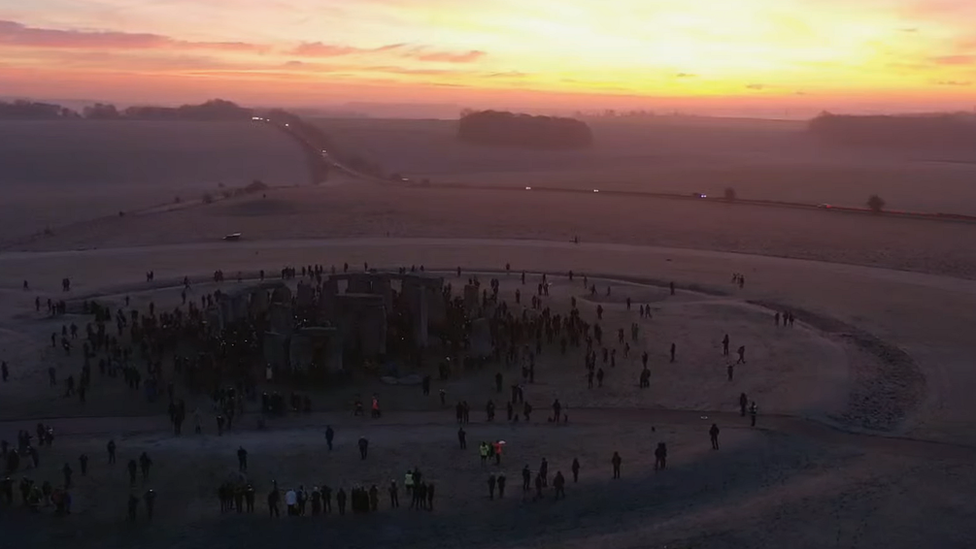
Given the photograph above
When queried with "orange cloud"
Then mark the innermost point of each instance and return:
(420, 53)
(954, 60)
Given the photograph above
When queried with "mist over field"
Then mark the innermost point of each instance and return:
(760, 159)
(57, 172)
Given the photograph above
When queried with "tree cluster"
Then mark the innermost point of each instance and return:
(30, 110)
(214, 110)
(523, 131)
(956, 130)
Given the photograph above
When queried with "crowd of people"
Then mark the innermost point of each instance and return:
(223, 362)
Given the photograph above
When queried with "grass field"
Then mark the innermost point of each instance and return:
(52, 173)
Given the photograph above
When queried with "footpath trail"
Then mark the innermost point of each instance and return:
(642, 418)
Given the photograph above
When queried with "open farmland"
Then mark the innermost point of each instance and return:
(58, 172)
(761, 159)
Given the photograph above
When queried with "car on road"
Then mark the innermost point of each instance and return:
(233, 237)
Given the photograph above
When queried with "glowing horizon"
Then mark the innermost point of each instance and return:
(557, 53)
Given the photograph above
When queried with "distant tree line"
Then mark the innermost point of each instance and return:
(522, 130)
(214, 110)
(928, 130)
(30, 110)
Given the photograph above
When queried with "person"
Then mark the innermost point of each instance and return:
(491, 486)
(111, 451)
(66, 470)
(673, 349)
(556, 410)
(249, 498)
(730, 369)
(725, 345)
(430, 496)
(145, 463)
(462, 438)
(150, 499)
(241, 459)
(132, 471)
(316, 501)
(341, 501)
(526, 479)
(394, 496)
(273, 498)
(500, 479)
(408, 482)
(616, 460)
(713, 434)
(498, 452)
(576, 470)
(374, 498)
(559, 483)
(326, 499)
(660, 456)
(329, 436)
(83, 463)
(133, 507)
(742, 355)
(291, 502)
(498, 382)
(363, 447)
(753, 410)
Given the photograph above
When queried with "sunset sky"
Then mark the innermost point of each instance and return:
(776, 54)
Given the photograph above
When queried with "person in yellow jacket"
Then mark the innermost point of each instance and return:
(483, 450)
(408, 482)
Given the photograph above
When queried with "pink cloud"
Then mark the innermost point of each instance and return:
(318, 49)
(19, 35)
(450, 57)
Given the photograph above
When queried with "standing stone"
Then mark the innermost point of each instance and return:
(281, 294)
(304, 296)
(275, 351)
(362, 319)
(328, 308)
(260, 302)
(471, 298)
(282, 319)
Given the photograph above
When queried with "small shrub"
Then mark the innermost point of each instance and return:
(208, 198)
(876, 203)
(730, 194)
(256, 186)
